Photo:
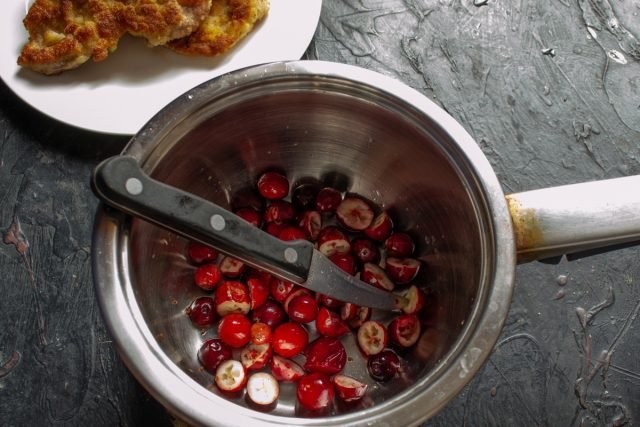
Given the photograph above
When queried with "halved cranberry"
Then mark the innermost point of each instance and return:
(376, 276)
(235, 330)
(250, 215)
(199, 253)
(290, 232)
(258, 292)
(348, 311)
(332, 240)
(384, 365)
(256, 356)
(231, 376)
(212, 353)
(289, 339)
(348, 389)
(399, 245)
(404, 330)
(207, 276)
(280, 288)
(279, 212)
(231, 268)
(273, 185)
(413, 300)
(329, 324)
(202, 312)
(326, 355)
(380, 228)
(232, 297)
(310, 222)
(365, 250)
(402, 270)
(302, 308)
(261, 333)
(285, 369)
(270, 313)
(372, 337)
(354, 213)
(304, 196)
(263, 389)
(328, 200)
(315, 391)
(345, 262)
(362, 315)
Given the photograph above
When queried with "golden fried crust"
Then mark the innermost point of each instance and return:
(160, 21)
(63, 34)
(228, 22)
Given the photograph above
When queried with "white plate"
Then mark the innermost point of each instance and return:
(120, 94)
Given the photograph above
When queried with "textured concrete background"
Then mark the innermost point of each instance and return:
(550, 90)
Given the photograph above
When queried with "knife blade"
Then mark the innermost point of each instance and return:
(121, 183)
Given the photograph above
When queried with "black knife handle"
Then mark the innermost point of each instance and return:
(120, 182)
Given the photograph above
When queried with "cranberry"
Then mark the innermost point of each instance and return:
(329, 302)
(212, 353)
(231, 376)
(380, 228)
(280, 288)
(372, 337)
(326, 355)
(289, 233)
(346, 262)
(279, 212)
(328, 200)
(404, 330)
(329, 324)
(273, 185)
(250, 215)
(289, 339)
(304, 196)
(202, 312)
(332, 240)
(384, 365)
(270, 313)
(362, 315)
(310, 222)
(200, 253)
(365, 250)
(348, 389)
(231, 268)
(413, 300)
(399, 245)
(258, 292)
(232, 297)
(315, 391)
(354, 213)
(260, 333)
(235, 330)
(376, 276)
(402, 270)
(302, 309)
(285, 369)
(263, 389)
(247, 197)
(274, 228)
(256, 356)
(207, 276)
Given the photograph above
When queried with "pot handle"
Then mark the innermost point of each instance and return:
(576, 220)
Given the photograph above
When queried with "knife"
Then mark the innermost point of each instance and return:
(120, 182)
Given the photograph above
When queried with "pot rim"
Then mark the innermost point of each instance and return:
(186, 398)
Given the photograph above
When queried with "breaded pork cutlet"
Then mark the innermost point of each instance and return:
(160, 21)
(63, 34)
(228, 22)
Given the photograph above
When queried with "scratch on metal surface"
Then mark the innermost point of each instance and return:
(15, 236)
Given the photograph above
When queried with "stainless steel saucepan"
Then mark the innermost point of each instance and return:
(364, 133)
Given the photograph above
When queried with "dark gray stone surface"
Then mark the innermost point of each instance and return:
(550, 90)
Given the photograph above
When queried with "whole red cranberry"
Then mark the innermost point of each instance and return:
(202, 312)
(234, 330)
(328, 200)
(384, 365)
(303, 308)
(365, 250)
(289, 339)
(399, 245)
(199, 253)
(304, 196)
(212, 353)
(270, 313)
(207, 276)
(273, 186)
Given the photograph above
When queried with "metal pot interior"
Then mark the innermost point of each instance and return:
(355, 138)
